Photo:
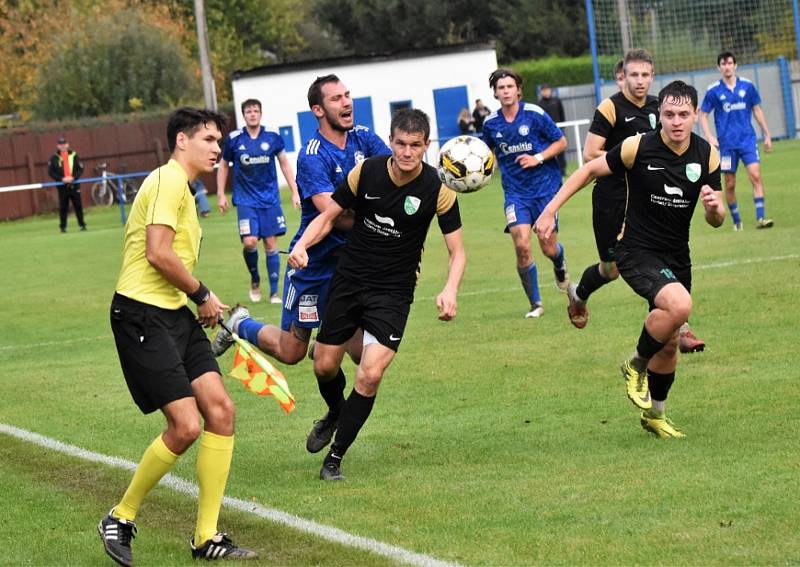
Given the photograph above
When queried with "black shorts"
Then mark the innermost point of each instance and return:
(607, 218)
(352, 305)
(160, 350)
(647, 271)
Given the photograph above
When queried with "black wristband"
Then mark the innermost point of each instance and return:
(200, 296)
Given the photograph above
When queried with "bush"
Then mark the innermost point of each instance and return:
(107, 64)
(558, 71)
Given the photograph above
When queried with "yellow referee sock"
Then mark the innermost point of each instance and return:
(213, 465)
(156, 462)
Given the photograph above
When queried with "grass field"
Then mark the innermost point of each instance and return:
(495, 440)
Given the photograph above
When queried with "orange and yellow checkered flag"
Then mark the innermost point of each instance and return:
(259, 376)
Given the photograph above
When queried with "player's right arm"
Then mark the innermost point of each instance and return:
(605, 117)
(319, 228)
(546, 223)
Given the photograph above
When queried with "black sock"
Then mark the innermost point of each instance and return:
(354, 414)
(333, 391)
(660, 384)
(645, 349)
(591, 281)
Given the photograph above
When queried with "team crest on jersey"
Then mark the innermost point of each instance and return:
(358, 156)
(523, 130)
(411, 205)
(264, 146)
(742, 92)
(693, 171)
(652, 118)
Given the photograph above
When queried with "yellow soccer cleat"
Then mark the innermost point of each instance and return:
(636, 386)
(660, 425)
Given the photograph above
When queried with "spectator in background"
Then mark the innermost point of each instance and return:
(466, 124)
(551, 104)
(200, 197)
(619, 74)
(479, 115)
(65, 167)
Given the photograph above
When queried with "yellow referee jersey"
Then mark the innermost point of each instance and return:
(164, 198)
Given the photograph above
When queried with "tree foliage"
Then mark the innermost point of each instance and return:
(107, 63)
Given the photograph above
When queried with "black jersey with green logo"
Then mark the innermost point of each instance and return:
(384, 249)
(663, 188)
(615, 119)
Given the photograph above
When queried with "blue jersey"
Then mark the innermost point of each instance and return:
(255, 179)
(531, 132)
(321, 167)
(733, 109)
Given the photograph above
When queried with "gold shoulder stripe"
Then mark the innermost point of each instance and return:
(713, 159)
(629, 149)
(447, 197)
(607, 109)
(353, 178)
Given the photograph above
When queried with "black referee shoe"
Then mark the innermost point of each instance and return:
(220, 547)
(322, 433)
(117, 535)
(331, 470)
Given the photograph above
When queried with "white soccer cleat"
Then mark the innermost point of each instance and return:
(255, 293)
(536, 312)
(275, 299)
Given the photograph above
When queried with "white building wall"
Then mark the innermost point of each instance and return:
(283, 95)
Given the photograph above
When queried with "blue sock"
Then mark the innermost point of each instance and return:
(759, 201)
(558, 259)
(735, 217)
(248, 330)
(530, 283)
(251, 259)
(273, 270)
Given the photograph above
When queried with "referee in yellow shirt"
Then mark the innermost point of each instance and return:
(164, 353)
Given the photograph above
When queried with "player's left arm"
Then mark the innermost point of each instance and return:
(710, 192)
(758, 114)
(449, 218)
(551, 133)
(288, 173)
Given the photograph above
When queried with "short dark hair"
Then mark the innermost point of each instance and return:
(724, 55)
(502, 73)
(188, 120)
(640, 55)
(618, 67)
(678, 90)
(411, 121)
(315, 90)
(251, 102)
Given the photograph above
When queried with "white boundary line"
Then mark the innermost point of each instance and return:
(329, 533)
(713, 265)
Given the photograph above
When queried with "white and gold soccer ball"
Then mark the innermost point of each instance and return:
(465, 164)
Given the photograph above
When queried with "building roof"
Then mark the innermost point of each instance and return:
(280, 68)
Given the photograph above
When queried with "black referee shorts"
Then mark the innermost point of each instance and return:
(160, 350)
(351, 305)
(607, 218)
(647, 271)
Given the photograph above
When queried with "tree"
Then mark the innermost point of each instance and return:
(108, 63)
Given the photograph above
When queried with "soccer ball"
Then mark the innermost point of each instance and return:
(465, 164)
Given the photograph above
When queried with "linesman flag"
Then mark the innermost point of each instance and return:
(259, 376)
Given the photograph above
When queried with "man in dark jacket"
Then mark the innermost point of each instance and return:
(65, 167)
(551, 104)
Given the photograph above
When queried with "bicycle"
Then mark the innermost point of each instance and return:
(106, 192)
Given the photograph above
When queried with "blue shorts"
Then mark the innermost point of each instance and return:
(729, 157)
(525, 211)
(260, 222)
(305, 293)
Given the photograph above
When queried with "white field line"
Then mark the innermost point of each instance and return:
(322, 531)
(713, 265)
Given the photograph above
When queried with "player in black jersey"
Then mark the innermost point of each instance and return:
(395, 200)
(667, 172)
(626, 113)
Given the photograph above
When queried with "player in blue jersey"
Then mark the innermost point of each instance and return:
(525, 141)
(251, 153)
(324, 162)
(734, 100)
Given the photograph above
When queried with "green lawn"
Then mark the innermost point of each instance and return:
(494, 439)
